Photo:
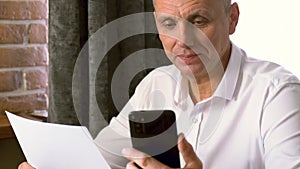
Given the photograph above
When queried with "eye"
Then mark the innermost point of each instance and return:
(200, 22)
(168, 23)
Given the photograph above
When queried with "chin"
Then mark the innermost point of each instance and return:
(191, 70)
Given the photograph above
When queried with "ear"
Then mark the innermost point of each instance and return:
(234, 14)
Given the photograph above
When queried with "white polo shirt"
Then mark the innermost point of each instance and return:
(251, 122)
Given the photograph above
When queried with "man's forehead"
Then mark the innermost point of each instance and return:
(179, 3)
(175, 5)
(171, 2)
(185, 8)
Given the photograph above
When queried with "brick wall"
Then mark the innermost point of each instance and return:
(23, 56)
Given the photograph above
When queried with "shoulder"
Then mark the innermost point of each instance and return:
(156, 89)
(162, 78)
(164, 73)
(267, 71)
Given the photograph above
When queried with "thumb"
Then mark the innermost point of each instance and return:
(190, 157)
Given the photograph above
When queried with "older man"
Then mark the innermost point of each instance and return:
(236, 112)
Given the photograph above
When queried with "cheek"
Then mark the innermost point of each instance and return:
(167, 42)
(218, 37)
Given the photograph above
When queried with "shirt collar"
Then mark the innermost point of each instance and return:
(229, 81)
(227, 85)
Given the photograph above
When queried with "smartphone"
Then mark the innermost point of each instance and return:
(154, 132)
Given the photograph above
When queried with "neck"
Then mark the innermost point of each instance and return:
(204, 86)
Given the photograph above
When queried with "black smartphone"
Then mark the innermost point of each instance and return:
(154, 132)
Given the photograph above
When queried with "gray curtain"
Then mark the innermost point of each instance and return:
(71, 23)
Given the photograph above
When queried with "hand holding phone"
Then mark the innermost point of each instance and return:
(154, 132)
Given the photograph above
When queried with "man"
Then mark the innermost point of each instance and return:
(246, 116)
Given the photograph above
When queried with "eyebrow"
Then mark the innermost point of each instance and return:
(199, 13)
(193, 17)
(162, 17)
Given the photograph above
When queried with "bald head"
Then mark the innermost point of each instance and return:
(226, 4)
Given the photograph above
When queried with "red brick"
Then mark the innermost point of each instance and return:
(38, 33)
(36, 79)
(12, 33)
(23, 10)
(10, 81)
(22, 104)
(23, 56)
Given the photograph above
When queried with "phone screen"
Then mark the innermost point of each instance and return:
(154, 132)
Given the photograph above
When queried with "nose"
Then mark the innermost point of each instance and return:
(185, 37)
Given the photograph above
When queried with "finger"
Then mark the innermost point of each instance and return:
(132, 154)
(141, 159)
(187, 151)
(132, 165)
(25, 165)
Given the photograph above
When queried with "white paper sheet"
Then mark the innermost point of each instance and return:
(56, 146)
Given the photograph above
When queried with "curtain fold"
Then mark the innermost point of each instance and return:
(64, 46)
(71, 23)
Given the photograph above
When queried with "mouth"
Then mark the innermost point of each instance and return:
(188, 59)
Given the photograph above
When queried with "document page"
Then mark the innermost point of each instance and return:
(56, 146)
